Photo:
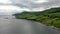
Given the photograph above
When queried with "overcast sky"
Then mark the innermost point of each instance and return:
(21, 5)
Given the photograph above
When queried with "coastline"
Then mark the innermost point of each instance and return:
(53, 27)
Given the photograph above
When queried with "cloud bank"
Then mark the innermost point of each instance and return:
(36, 4)
(32, 4)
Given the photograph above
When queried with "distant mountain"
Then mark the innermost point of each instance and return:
(8, 12)
(52, 10)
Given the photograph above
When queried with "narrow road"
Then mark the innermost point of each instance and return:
(10, 25)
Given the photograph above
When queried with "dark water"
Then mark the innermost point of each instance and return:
(10, 25)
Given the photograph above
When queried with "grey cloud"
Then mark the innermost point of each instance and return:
(23, 3)
(32, 5)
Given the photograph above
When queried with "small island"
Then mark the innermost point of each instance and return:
(49, 17)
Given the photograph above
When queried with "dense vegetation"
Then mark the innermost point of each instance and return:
(48, 17)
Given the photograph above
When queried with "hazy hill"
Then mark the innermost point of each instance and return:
(48, 17)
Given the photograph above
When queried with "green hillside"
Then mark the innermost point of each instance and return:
(48, 17)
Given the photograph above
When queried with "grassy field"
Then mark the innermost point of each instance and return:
(48, 17)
